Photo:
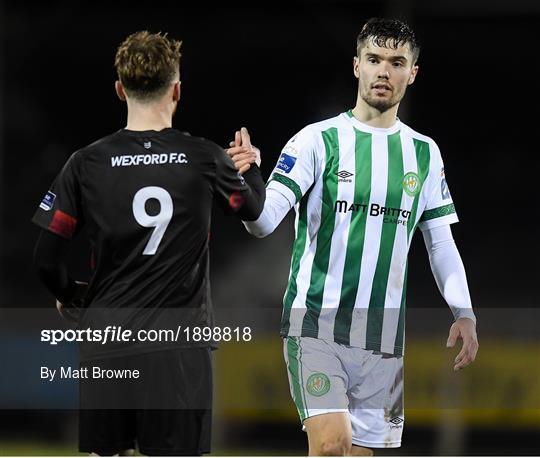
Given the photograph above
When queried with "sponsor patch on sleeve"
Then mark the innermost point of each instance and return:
(286, 162)
(445, 192)
(48, 201)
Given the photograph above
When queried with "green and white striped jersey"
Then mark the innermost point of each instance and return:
(359, 194)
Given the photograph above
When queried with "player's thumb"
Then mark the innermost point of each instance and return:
(246, 141)
(452, 336)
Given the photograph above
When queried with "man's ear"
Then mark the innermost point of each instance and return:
(414, 72)
(176, 91)
(356, 65)
(120, 91)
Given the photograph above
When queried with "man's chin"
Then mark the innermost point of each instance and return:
(379, 103)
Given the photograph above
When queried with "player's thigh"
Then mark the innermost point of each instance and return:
(184, 379)
(317, 381)
(329, 434)
(376, 403)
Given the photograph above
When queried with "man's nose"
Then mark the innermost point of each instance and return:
(384, 71)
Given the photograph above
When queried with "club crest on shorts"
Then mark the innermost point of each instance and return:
(318, 384)
(411, 184)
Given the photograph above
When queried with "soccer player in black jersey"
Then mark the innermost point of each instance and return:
(145, 196)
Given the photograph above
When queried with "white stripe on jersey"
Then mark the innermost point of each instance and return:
(372, 239)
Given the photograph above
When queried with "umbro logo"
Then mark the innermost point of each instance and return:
(396, 420)
(344, 176)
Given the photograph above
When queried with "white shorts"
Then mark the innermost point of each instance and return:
(327, 377)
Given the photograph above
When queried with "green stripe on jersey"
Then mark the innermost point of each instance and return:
(291, 184)
(319, 269)
(422, 159)
(394, 193)
(438, 212)
(298, 251)
(295, 369)
(355, 240)
(400, 334)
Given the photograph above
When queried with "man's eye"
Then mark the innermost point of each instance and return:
(372, 60)
(398, 64)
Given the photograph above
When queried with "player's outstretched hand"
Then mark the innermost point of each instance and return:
(242, 152)
(71, 312)
(464, 329)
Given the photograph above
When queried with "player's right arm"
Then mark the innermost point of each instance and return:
(291, 178)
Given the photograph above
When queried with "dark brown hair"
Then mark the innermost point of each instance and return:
(147, 64)
(388, 33)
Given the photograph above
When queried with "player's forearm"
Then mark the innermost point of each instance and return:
(275, 208)
(49, 254)
(254, 197)
(449, 271)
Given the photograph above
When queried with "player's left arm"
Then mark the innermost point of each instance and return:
(50, 255)
(60, 217)
(437, 215)
(449, 273)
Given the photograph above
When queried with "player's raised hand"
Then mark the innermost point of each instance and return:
(246, 141)
(242, 152)
(464, 329)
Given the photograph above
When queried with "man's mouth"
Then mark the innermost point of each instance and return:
(382, 86)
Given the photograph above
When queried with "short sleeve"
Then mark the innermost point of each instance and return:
(439, 209)
(295, 170)
(229, 184)
(60, 209)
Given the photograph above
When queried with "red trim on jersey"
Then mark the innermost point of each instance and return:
(63, 224)
(236, 200)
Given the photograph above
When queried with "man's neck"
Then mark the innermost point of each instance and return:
(372, 117)
(148, 117)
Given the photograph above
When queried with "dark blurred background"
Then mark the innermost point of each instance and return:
(275, 67)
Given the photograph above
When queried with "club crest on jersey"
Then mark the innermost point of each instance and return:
(286, 162)
(48, 201)
(411, 184)
(318, 384)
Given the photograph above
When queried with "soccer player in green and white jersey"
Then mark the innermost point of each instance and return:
(361, 183)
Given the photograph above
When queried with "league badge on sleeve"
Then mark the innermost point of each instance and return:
(286, 162)
(48, 201)
(445, 192)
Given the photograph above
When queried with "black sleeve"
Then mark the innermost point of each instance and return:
(49, 260)
(242, 195)
(255, 197)
(60, 209)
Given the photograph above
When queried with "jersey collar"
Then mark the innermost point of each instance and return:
(370, 129)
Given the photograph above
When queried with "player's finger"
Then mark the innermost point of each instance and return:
(246, 140)
(231, 144)
(237, 138)
(236, 150)
(244, 157)
(241, 164)
(452, 336)
(244, 169)
(461, 355)
(463, 363)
